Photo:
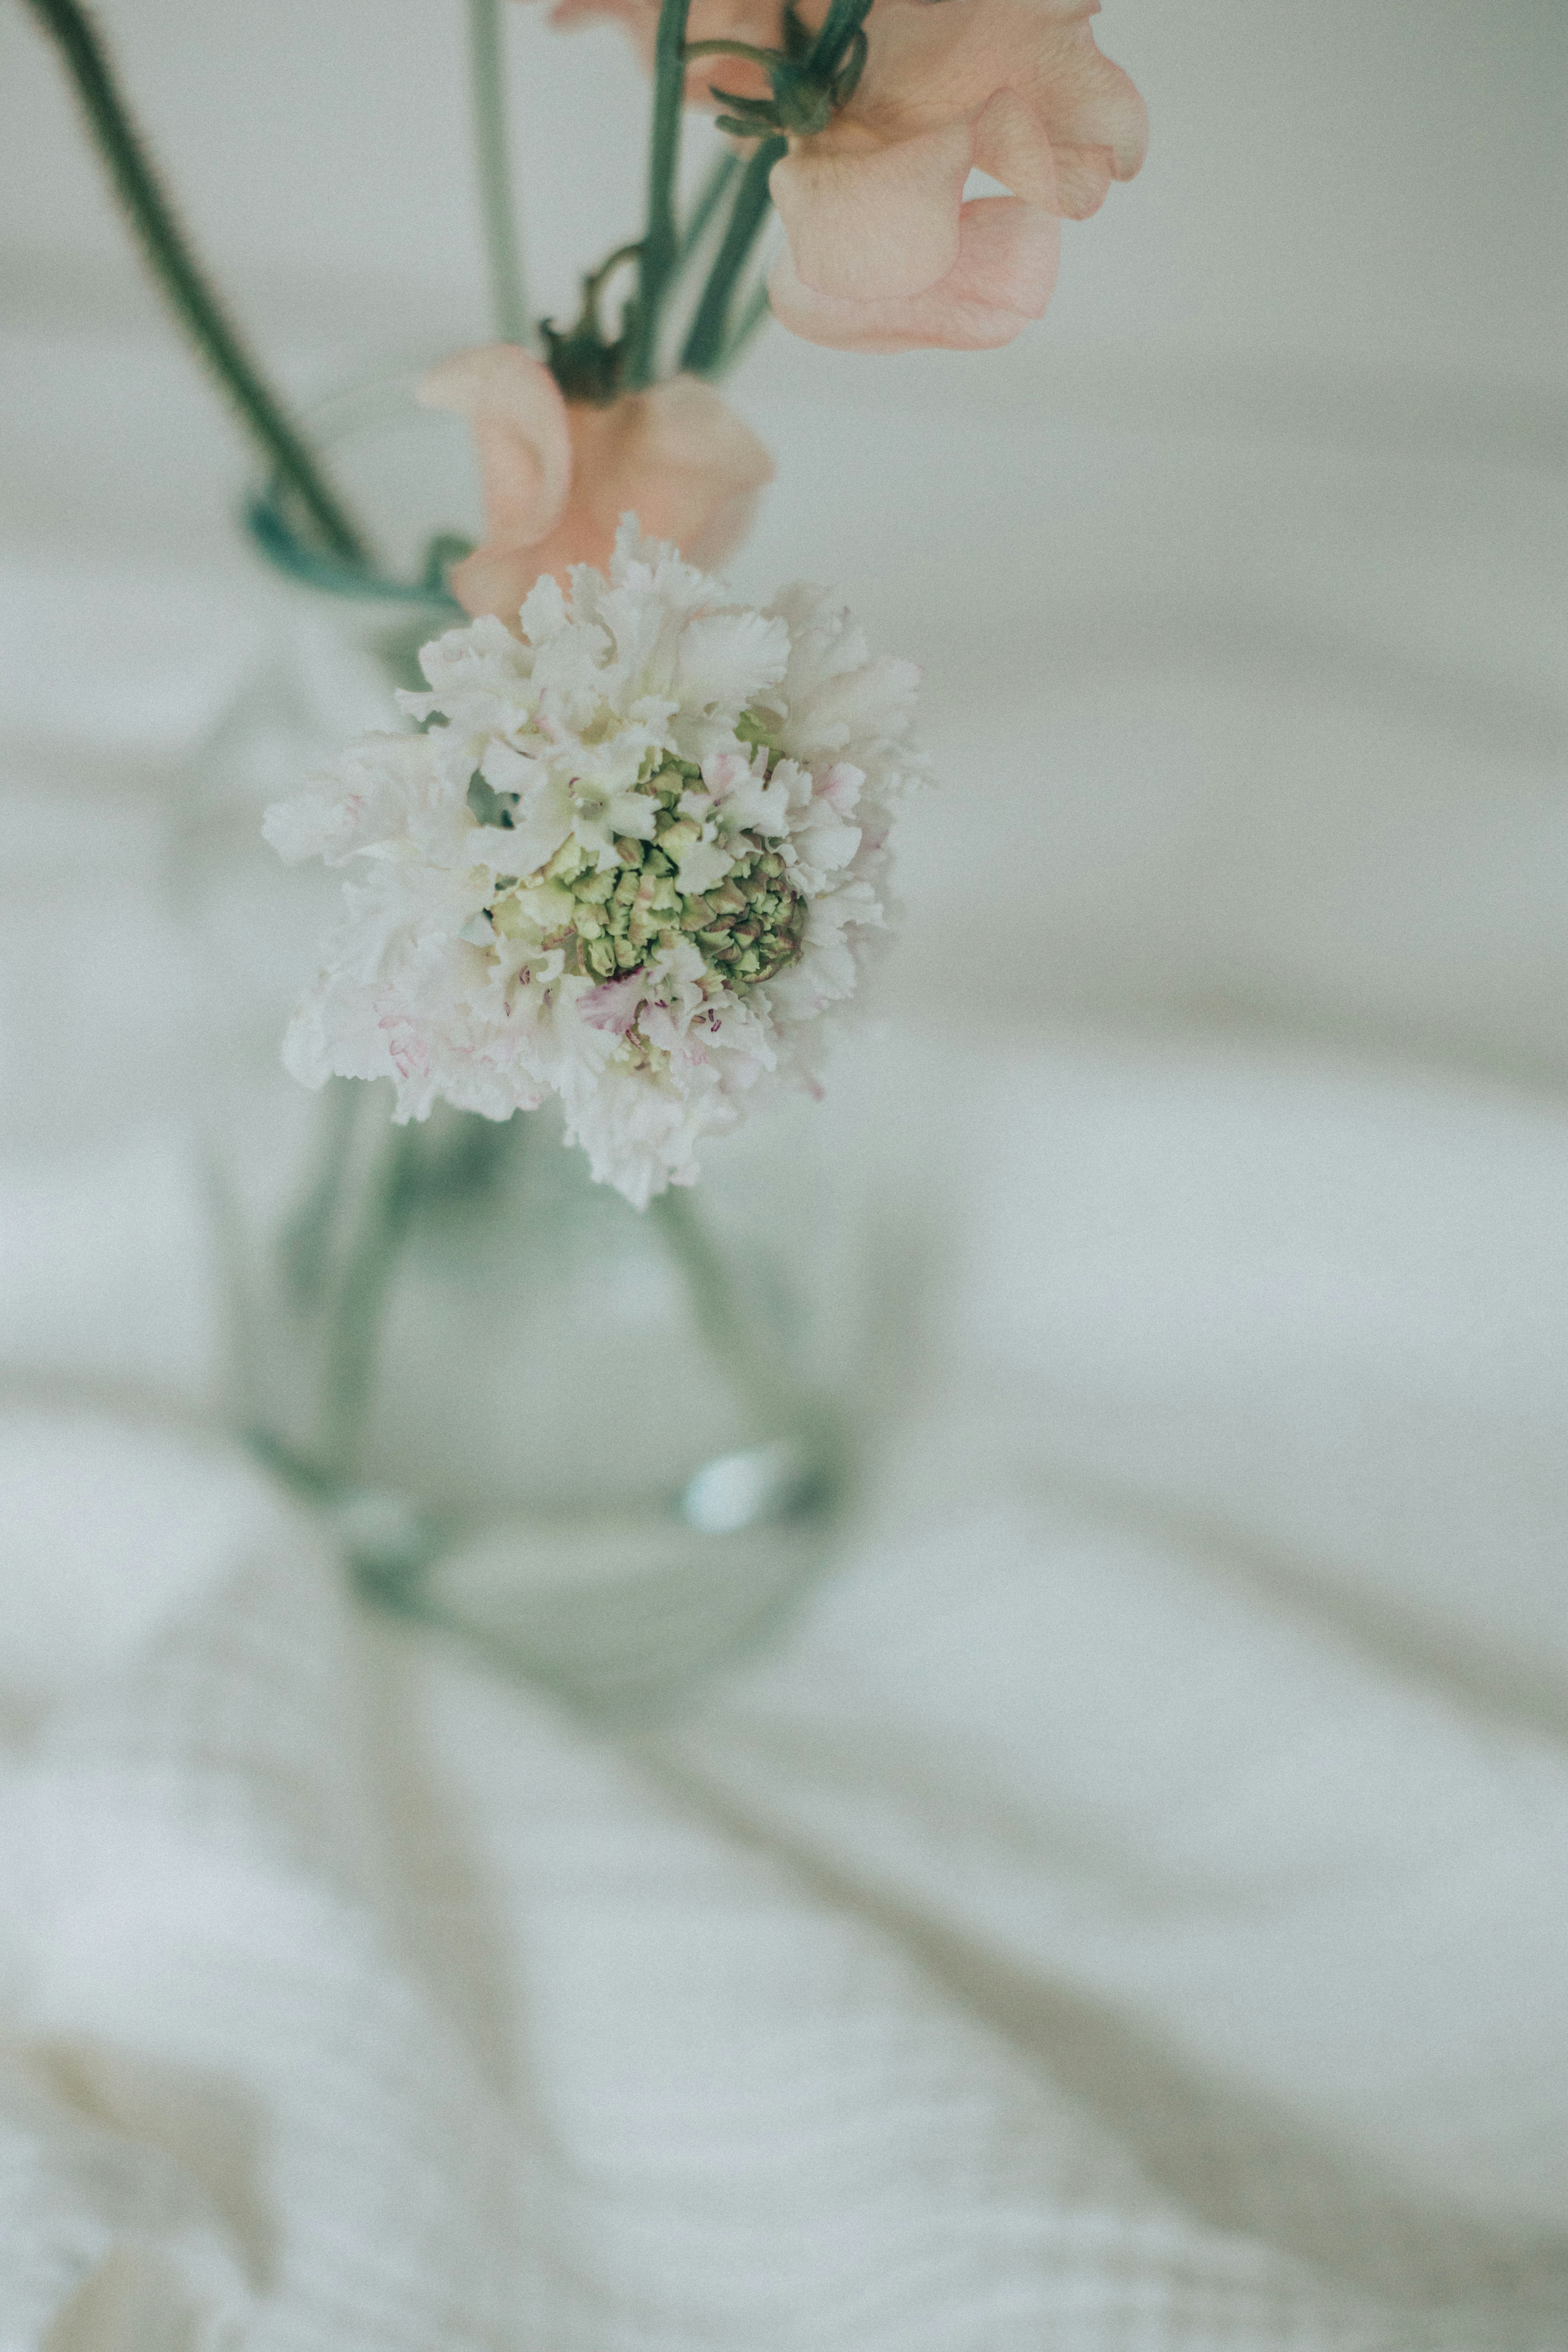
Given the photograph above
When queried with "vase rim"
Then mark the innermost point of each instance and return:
(270, 517)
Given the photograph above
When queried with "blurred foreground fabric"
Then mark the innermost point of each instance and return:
(1128, 1912)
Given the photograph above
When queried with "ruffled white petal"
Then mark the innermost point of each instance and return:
(461, 970)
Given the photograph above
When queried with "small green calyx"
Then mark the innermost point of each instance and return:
(588, 364)
(811, 77)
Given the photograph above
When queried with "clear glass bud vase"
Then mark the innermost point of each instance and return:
(605, 1443)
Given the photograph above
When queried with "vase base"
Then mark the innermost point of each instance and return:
(617, 1611)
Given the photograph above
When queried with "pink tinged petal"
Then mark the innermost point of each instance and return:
(1083, 178)
(840, 787)
(656, 1025)
(876, 223)
(494, 580)
(514, 408)
(1010, 143)
(677, 458)
(1008, 258)
(1003, 277)
(930, 65)
(522, 435)
(410, 1054)
(1097, 123)
(697, 470)
(613, 1004)
(927, 65)
(723, 771)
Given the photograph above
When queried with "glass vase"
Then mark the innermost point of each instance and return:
(606, 1444)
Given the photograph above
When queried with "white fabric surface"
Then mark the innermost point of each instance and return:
(1070, 1950)
(1127, 1913)
(1094, 1926)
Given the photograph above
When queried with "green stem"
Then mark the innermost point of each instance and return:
(661, 242)
(487, 70)
(170, 256)
(306, 1242)
(842, 22)
(595, 279)
(766, 59)
(715, 188)
(751, 318)
(350, 1368)
(722, 1316)
(705, 343)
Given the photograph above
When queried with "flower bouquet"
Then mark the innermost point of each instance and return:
(613, 848)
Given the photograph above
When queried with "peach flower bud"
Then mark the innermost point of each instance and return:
(557, 476)
(884, 252)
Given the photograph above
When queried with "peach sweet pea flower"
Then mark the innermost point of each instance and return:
(884, 253)
(557, 478)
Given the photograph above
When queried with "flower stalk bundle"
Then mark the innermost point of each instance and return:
(632, 849)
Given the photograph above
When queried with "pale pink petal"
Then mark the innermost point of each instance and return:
(613, 1004)
(675, 456)
(1083, 179)
(1010, 143)
(930, 64)
(880, 256)
(514, 408)
(1008, 256)
(1090, 108)
(497, 579)
(868, 222)
(693, 472)
(1003, 276)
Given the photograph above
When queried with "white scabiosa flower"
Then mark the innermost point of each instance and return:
(636, 858)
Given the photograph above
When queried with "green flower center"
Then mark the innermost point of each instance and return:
(746, 928)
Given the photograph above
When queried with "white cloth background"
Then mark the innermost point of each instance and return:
(1129, 1911)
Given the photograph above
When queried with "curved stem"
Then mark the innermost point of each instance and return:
(349, 1371)
(661, 241)
(705, 343)
(305, 1242)
(715, 188)
(195, 303)
(596, 278)
(843, 20)
(503, 248)
(766, 59)
(718, 1305)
